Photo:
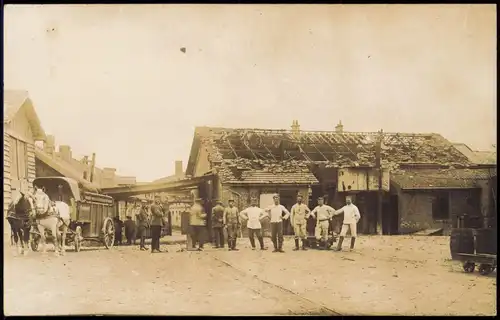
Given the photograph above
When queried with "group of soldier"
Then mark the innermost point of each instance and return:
(229, 218)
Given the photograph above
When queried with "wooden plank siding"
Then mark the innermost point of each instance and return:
(7, 193)
(31, 165)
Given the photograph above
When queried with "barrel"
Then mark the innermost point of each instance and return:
(486, 241)
(461, 241)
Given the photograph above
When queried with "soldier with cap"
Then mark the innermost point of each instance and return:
(232, 224)
(158, 213)
(351, 218)
(218, 224)
(254, 215)
(142, 224)
(323, 213)
(197, 224)
(299, 215)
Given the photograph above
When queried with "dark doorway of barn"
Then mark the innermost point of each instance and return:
(288, 198)
(390, 215)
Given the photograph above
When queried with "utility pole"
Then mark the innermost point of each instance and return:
(378, 156)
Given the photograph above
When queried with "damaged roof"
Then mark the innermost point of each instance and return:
(234, 153)
(414, 179)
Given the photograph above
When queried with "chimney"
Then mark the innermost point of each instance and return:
(85, 162)
(108, 177)
(339, 128)
(65, 152)
(178, 169)
(295, 127)
(49, 145)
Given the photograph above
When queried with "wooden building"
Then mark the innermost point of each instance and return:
(22, 129)
(256, 163)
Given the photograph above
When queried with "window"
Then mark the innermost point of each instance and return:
(441, 207)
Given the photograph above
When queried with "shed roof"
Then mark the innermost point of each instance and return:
(235, 151)
(14, 101)
(65, 169)
(440, 179)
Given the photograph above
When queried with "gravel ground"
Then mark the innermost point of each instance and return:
(384, 276)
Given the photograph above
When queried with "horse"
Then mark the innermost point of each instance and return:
(19, 216)
(53, 216)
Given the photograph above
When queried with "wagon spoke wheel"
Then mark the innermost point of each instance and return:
(78, 238)
(35, 241)
(108, 233)
(469, 267)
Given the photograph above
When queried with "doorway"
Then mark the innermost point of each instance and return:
(288, 198)
(390, 215)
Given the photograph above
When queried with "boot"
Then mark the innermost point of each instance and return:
(304, 244)
(339, 245)
(353, 240)
(252, 242)
(234, 245)
(296, 245)
(261, 241)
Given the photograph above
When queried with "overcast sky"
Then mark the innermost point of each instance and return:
(112, 79)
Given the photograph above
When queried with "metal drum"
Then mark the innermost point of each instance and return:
(486, 241)
(461, 241)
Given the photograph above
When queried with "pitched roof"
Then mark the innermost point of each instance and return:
(65, 169)
(440, 179)
(13, 101)
(477, 157)
(234, 151)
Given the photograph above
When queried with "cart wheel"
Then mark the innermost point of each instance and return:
(485, 269)
(108, 233)
(469, 267)
(35, 241)
(78, 238)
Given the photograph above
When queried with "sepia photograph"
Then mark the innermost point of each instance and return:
(250, 159)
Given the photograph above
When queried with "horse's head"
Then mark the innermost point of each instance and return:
(41, 201)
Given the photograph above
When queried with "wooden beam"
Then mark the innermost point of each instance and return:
(264, 144)
(314, 145)
(328, 142)
(245, 143)
(230, 146)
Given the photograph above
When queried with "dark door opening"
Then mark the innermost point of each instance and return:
(390, 216)
(288, 198)
(316, 192)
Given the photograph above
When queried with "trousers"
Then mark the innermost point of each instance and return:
(277, 234)
(251, 235)
(198, 235)
(299, 229)
(349, 226)
(321, 231)
(219, 236)
(155, 237)
(141, 233)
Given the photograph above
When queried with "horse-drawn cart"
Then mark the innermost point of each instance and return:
(91, 213)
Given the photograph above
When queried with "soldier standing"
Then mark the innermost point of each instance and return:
(197, 224)
(276, 212)
(232, 224)
(143, 224)
(351, 218)
(254, 215)
(157, 212)
(218, 224)
(299, 215)
(323, 213)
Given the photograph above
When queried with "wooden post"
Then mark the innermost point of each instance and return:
(380, 191)
(92, 166)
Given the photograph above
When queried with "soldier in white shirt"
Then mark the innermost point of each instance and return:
(299, 215)
(323, 213)
(254, 215)
(275, 213)
(351, 218)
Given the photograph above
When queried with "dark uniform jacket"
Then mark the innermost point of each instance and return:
(142, 218)
(217, 216)
(129, 226)
(157, 212)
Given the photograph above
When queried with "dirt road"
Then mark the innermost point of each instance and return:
(385, 276)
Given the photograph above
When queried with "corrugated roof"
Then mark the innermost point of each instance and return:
(266, 177)
(440, 178)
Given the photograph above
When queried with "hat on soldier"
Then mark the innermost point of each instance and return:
(275, 196)
(231, 200)
(322, 198)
